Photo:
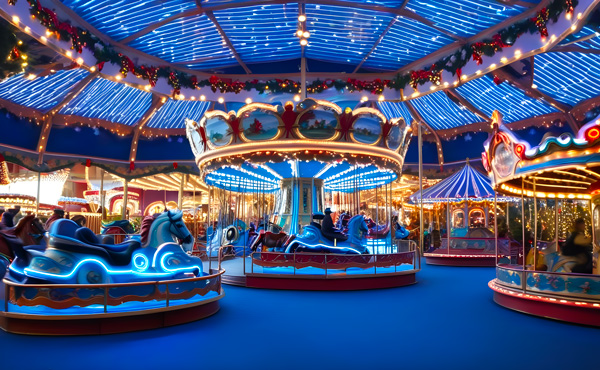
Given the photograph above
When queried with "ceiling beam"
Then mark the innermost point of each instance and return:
(531, 92)
(49, 114)
(153, 26)
(538, 95)
(381, 36)
(211, 16)
(420, 120)
(573, 49)
(156, 103)
(449, 49)
(468, 104)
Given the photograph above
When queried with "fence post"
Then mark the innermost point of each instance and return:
(105, 299)
(167, 291)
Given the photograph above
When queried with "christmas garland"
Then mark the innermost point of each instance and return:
(13, 57)
(454, 63)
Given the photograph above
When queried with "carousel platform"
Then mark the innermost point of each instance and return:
(461, 260)
(565, 297)
(62, 309)
(317, 274)
(399, 327)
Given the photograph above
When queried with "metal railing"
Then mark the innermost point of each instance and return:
(560, 284)
(62, 296)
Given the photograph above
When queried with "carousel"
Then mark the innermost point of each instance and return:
(555, 272)
(311, 208)
(462, 228)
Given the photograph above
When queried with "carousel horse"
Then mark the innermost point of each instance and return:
(29, 231)
(377, 231)
(313, 240)
(552, 260)
(76, 256)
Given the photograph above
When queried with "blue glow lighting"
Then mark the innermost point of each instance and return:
(406, 41)
(174, 113)
(121, 18)
(464, 18)
(568, 77)
(262, 33)
(43, 92)
(586, 38)
(510, 101)
(193, 40)
(111, 101)
(442, 113)
(341, 34)
(392, 110)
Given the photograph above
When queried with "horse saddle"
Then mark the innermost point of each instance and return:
(67, 235)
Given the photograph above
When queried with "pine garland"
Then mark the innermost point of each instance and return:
(454, 63)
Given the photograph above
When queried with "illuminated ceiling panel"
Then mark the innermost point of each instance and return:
(43, 92)
(111, 101)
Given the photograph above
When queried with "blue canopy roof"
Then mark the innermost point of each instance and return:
(466, 183)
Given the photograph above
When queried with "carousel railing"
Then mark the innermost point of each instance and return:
(78, 299)
(332, 265)
(548, 283)
(461, 246)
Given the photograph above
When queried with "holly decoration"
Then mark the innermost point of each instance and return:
(540, 21)
(497, 80)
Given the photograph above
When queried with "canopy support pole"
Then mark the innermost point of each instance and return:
(125, 194)
(449, 223)
(534, 228)
(37, 199)
(180, 193)
(420, 141)
(103, 211)
(495, 225)
(523, 225)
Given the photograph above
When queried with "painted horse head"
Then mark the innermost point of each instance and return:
(29, 231)
(166, 226)
(357, 227)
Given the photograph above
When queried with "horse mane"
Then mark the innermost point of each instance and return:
(146, 226)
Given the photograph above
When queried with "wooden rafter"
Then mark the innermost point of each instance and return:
(49, 114)
(381, 36)
(157, 102)
(420, 120)
(211, 16)
(468, 104)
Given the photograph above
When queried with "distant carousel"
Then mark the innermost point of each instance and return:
(462, 228)
(555, 275)
(300, 196)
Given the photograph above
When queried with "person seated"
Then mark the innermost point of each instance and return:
(57, 215)
(80, 220)
(328, 230)
(7, 219)
(579, 245)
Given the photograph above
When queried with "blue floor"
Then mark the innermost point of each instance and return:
(446, 321)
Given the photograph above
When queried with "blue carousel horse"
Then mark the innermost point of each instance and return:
(312, 239)
(236, 236)
(74, 255)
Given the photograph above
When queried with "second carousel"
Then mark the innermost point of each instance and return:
(300, 196)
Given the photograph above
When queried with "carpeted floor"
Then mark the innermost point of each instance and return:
(446, 321)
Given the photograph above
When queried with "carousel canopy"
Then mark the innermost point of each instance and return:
(468, 183)
(138, 69)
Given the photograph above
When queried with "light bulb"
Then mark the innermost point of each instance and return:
(248, 100)
(304, 42)
(221, 100)
(301, 18)
(306, 34)
(299, 33)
